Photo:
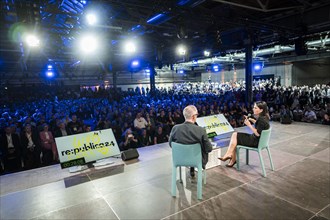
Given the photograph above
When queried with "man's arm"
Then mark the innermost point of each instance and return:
(171, 136)
(206, 143)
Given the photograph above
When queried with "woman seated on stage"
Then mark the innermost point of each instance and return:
(261, 122)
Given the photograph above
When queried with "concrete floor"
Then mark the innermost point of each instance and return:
(141, 189)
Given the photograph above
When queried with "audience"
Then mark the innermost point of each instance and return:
(31, 149)
(155, 113)
(48, 146)
(11, 150)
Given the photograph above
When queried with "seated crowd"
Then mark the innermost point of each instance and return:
(138, 118)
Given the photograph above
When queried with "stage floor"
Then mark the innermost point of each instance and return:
(141, 189)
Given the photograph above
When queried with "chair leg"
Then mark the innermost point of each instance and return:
(204, 176)
(199, 183)
(174, 181)
(180, 174)
(237, 157)
(262, 163)
(247, 156)
(270, 159)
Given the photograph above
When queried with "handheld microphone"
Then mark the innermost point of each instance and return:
(250, 116)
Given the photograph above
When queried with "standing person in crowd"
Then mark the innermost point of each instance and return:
(48, 146)
(11, 149)
(30, 147)
(62, 130)
(74, 125)
(190, 133)
(260, 111)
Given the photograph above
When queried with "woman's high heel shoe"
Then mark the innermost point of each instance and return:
(227, 165)
(224, 158)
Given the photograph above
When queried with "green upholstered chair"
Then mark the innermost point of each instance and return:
(187, 155)
(263, 144)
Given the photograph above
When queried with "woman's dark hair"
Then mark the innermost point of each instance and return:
(263, 105)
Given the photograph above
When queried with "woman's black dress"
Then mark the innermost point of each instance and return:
(251, 140)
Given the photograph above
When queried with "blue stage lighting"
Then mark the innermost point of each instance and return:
(50, 74)
(159, 18)
(147, 70)
(137, 27)
(181, 71)
(155, 18)
(215, 68)
(135, 63)
(50, 67)
(257, 67)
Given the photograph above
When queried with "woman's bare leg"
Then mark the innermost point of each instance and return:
(231, 151)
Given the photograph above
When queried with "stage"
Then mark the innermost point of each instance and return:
(141, 188)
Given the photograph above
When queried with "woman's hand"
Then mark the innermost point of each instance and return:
(247, 121)
(252, 120)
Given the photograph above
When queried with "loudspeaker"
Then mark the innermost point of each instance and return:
(129, 154)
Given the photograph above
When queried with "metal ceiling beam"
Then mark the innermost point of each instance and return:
(255, 8)
(262, 52)
(263, 6)
(313, 56)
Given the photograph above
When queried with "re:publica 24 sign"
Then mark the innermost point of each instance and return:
(86, 147)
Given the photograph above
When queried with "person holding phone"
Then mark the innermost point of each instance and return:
(260, 111)
(129, 140)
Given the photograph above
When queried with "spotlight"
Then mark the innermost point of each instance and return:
(50, 67)
(215, 68)
(181, 50)
(91, 19)
(130, 47)
(135, 63)
(88, 44)
(207, 53)
(49, 74)
(258, 67)
(147, 71)
(32, 40)
(181, 71)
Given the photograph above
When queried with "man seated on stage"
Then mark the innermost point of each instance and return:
(190, 133)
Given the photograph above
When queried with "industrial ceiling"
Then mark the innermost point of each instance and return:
(221, 26)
